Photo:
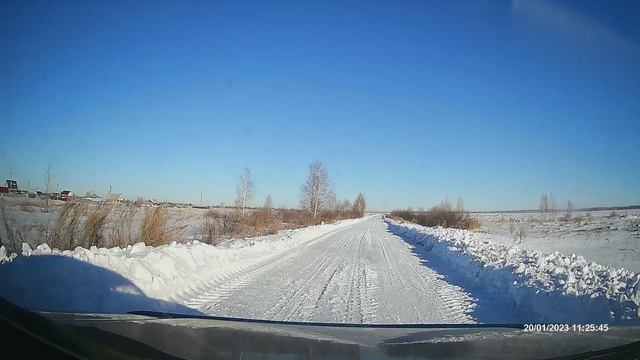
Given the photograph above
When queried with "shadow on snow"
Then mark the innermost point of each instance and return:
(64, 284)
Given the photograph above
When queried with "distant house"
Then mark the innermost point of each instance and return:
(12, 185)
(115, 198)
(67, 195)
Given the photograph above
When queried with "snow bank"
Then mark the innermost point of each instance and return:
(137, 277)
(547, 287)
(599, 236)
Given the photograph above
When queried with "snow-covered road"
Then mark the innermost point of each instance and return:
(358, 274)
(370, 270)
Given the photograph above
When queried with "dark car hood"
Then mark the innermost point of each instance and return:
(160, 335)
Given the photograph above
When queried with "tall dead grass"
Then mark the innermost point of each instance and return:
(440, 215)
(11, 240)
(93, 227)
(217, 225)
(211, 230)
(121, 233)
(67, 228)
(155, 230)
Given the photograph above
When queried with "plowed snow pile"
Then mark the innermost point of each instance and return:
(550, 287)
(138, 277)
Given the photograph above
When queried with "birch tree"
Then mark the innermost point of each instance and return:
(315, 190)
(332, 202)
(244, 190)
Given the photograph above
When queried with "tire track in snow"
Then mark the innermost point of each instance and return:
(360, 274)
(302, 308)
(219, 288)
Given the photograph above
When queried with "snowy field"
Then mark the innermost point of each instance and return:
(368, 270)
(29, 218)
(605, 237)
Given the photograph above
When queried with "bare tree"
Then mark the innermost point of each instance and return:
(332, 202)
(552, 205)
(544, 204)
(569, 209)
(315, 190)
(244, 190)
(359, 205)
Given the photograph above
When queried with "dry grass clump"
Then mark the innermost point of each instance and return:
(297, 218)
(473, 224)
(218, 225)
(155, 230)
(67, 229)
(121, 233)
(11, 240)
(93, 226)
(211, 230)
(441, 215)
(276, 225)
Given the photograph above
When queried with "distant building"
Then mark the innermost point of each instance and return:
(67, 195)
(12, 185)
(115, 198)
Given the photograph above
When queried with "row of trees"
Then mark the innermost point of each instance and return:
(316, 194)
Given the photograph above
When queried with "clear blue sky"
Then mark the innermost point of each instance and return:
(406, 101)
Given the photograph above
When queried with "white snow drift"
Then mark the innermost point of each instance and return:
(138, 277)
(549, 287)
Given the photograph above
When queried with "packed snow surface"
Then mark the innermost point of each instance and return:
(356, 271)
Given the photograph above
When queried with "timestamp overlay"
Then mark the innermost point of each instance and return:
(566, 327)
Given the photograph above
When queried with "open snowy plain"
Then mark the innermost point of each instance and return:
(606, 237)
(371, 270)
